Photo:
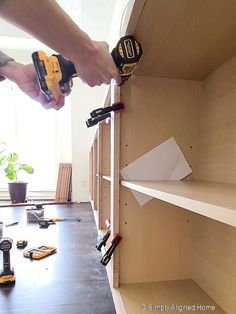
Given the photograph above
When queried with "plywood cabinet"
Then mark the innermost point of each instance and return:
(179, 248)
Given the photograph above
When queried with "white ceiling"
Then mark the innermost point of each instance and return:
(93, 16)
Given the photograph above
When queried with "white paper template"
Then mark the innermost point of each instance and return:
(165, 162)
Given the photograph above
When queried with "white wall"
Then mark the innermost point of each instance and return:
(22, 56)
(84, 100)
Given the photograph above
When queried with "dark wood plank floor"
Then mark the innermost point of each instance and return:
(69, 282)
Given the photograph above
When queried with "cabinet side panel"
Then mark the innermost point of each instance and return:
(217, 132)
(115, 167)
(156, 243)
(95, 162)
(105, 149)
(214, 260)
(104, 203)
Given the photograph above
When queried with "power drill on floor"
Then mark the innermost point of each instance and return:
(55, 72)
(7, 275)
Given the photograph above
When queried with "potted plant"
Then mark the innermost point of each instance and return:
(12, 166)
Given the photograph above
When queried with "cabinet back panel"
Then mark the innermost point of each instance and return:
(214, 260)
(156, 243)
(156, 109)
(216, 156)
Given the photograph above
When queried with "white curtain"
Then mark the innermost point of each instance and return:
(41, 138)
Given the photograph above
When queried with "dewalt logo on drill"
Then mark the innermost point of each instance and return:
(129, 48)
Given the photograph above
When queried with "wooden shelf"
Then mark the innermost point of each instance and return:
(213, 200)
(185, 39)
(107, 178)
(137, 297)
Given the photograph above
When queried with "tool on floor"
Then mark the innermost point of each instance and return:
(39, 206)
(55, 73)
(21, 244)
(114, 243)
(33, 214)
(100, 114)
(12, 224)
(46, 222)
(7, 275)
(40, 252)
(76, 218)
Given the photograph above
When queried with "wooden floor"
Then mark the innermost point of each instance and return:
(69, 282)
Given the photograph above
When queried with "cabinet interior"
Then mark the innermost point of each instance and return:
(179, 248)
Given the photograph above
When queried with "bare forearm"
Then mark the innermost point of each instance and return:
(46, 21)
(10, 70)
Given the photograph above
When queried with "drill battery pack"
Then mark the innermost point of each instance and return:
(40, 252)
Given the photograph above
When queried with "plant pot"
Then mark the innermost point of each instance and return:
(17, 191)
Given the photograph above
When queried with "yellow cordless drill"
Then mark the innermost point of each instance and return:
(55, 72)
(7, 274)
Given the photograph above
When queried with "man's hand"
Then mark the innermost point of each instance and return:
(92, 59)
(25, 77)
(97, 67)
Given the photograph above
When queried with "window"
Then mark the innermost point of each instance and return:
(41, 137)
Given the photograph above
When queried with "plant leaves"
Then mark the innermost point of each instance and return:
(13, 165)
(3, 160)
(13, 157)
(11, 174)
(3, 156)
(27, 168)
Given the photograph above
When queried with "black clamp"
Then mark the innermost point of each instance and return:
(114, 243)
(93, 121)
(100, 114)
(103, 241)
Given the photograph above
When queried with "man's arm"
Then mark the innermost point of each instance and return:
(4, 59)
(46, 21)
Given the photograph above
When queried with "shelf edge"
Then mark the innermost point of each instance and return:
(216, 212)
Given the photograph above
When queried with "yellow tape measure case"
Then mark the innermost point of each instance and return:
(40, 252)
